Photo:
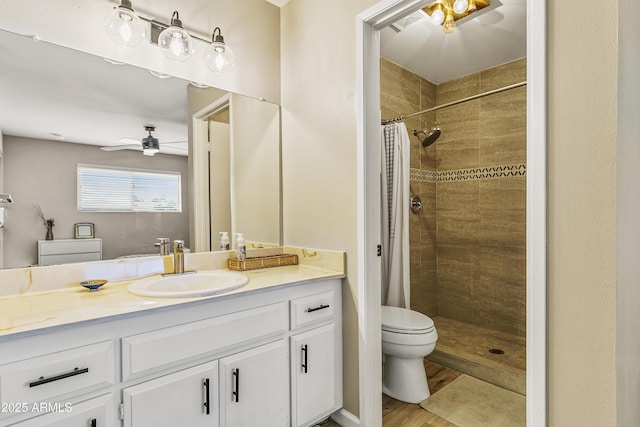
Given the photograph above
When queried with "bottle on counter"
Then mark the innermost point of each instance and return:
(241, 249)
(224, 241)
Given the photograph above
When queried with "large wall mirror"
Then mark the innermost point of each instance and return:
(61, 108)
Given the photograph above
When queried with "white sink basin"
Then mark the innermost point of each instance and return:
(200, 284)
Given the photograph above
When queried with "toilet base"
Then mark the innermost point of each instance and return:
(405, 379)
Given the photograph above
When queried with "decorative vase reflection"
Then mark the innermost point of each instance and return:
(49, 233)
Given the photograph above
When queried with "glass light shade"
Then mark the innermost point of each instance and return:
(460, 6)
(219, 57)
(437, 17)
(176, 43)
(124, 27)
(449, 24)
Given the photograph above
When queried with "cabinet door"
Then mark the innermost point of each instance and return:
(313, 375)
(97, 412)
(185, 398)
(254, 387)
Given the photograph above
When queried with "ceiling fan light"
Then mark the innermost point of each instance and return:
(174, 41)
(124, 26)
(460, 6)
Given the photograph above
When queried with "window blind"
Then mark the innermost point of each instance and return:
(107, 189)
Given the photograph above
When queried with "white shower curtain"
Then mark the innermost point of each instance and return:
(395, 215)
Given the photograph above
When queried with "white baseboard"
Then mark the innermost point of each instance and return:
(345, 418)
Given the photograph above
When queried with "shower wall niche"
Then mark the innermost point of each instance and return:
(468, 244)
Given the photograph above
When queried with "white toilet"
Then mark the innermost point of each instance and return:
(407, 337)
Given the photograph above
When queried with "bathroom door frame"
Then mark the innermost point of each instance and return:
(368, 26)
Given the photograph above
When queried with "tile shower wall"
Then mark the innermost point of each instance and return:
(473, 225)
(403, 92)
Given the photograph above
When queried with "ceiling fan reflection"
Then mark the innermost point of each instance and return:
(150, 145)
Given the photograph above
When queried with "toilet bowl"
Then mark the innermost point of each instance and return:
(407, 337)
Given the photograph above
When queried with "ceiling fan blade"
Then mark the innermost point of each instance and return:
(120, 147)
(173, 142)
(129, 141)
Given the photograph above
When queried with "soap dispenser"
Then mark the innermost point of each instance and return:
(241, 249)
(224, 241)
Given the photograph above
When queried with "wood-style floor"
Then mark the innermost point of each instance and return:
(396, 413)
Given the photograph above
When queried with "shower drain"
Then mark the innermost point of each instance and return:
(496, 351)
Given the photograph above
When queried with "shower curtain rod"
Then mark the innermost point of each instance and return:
(452, 103)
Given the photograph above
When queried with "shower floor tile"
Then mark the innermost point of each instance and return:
(465, 347)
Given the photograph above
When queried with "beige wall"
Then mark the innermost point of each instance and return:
(319, 144)
(44, 172)
(318, 79)
(582, 122)
(628, 159)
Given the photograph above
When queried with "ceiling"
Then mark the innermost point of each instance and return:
(490, 37)
(51, 89)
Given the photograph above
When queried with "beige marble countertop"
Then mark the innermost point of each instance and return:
(25, 314)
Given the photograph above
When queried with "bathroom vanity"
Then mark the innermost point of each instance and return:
(267, 354)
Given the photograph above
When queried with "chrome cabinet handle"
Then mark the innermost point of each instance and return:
(43, 380)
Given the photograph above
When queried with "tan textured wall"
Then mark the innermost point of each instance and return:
(402, 92)
(582, 114)
(474, 270)
(481, 222)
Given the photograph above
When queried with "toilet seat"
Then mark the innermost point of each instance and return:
(404, 321)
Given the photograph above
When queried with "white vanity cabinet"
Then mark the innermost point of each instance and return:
(185, 398)
(254, 390)
(96, 412)
(271, 357)
(316, 356)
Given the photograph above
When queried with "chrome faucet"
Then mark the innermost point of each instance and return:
(178, 256)
(163, 244)
(178, 259)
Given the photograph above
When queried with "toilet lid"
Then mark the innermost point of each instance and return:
(396, 319)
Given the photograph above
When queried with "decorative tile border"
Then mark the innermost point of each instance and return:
(492, 172)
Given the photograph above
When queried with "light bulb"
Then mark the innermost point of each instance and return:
(218, 56)
(460, 6)
(437, 17)
(124, 26)
(449, 24)
(175, 42)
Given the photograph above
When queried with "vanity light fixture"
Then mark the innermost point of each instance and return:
(124, 26)
(447, 12)
(218, 56)
(175, 42)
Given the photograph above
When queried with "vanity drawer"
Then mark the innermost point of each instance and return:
(45, 377)
(151, 350)
(312, 309)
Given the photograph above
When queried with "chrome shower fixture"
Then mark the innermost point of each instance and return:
(6, 198)
(429, 136)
